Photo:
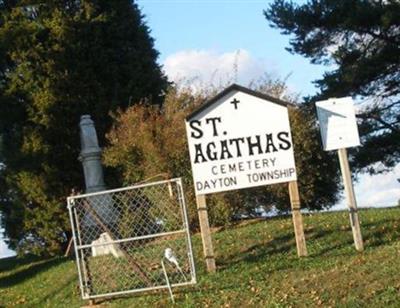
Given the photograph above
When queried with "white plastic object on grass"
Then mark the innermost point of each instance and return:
(170, 256)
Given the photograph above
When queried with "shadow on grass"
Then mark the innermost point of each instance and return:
(278, 245)
(377, 233)
(257, 252)
(380, 233)
(26, 273)
(8, 264)
(57, 290)
(285, 243)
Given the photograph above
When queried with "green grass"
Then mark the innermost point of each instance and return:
(257, 267)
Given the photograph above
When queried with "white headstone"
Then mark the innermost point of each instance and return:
(104, 245)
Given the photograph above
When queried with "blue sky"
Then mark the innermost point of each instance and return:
(204, 38)
(225, 27)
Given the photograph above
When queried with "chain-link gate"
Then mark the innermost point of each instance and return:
(124, 237)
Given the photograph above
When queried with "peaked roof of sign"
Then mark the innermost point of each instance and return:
(236, 87)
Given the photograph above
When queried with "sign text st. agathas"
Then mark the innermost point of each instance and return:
(240, 139)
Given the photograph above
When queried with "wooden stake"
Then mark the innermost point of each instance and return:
(297, 219)
(351, 199)
(68, 251)
(208, 249)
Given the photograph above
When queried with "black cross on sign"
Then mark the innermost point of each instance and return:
(235, 102)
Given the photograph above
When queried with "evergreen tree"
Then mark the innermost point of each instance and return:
(361, 38)
(62, 59)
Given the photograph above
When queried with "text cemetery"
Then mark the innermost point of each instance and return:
(240, 140)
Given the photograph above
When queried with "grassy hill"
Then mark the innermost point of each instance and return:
(257, 267)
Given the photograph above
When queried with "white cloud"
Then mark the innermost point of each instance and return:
(379, 190)
(204, 67)
(376, 191)
(386, 197)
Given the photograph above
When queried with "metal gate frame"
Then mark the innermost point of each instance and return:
(79, 247)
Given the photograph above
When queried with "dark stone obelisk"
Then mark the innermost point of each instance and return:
(98, 209)
(90, 156)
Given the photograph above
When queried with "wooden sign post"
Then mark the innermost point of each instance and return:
(208, 248)
(339, 131)
(297, 219)
(351, 199)
(240, 139)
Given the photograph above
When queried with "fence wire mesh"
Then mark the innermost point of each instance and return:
(122, 235)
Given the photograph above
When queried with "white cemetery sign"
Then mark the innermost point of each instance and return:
(240, 139)
(337, 123)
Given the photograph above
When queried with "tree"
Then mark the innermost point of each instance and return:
(147, 141)
(62, 59)
(361, 40)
